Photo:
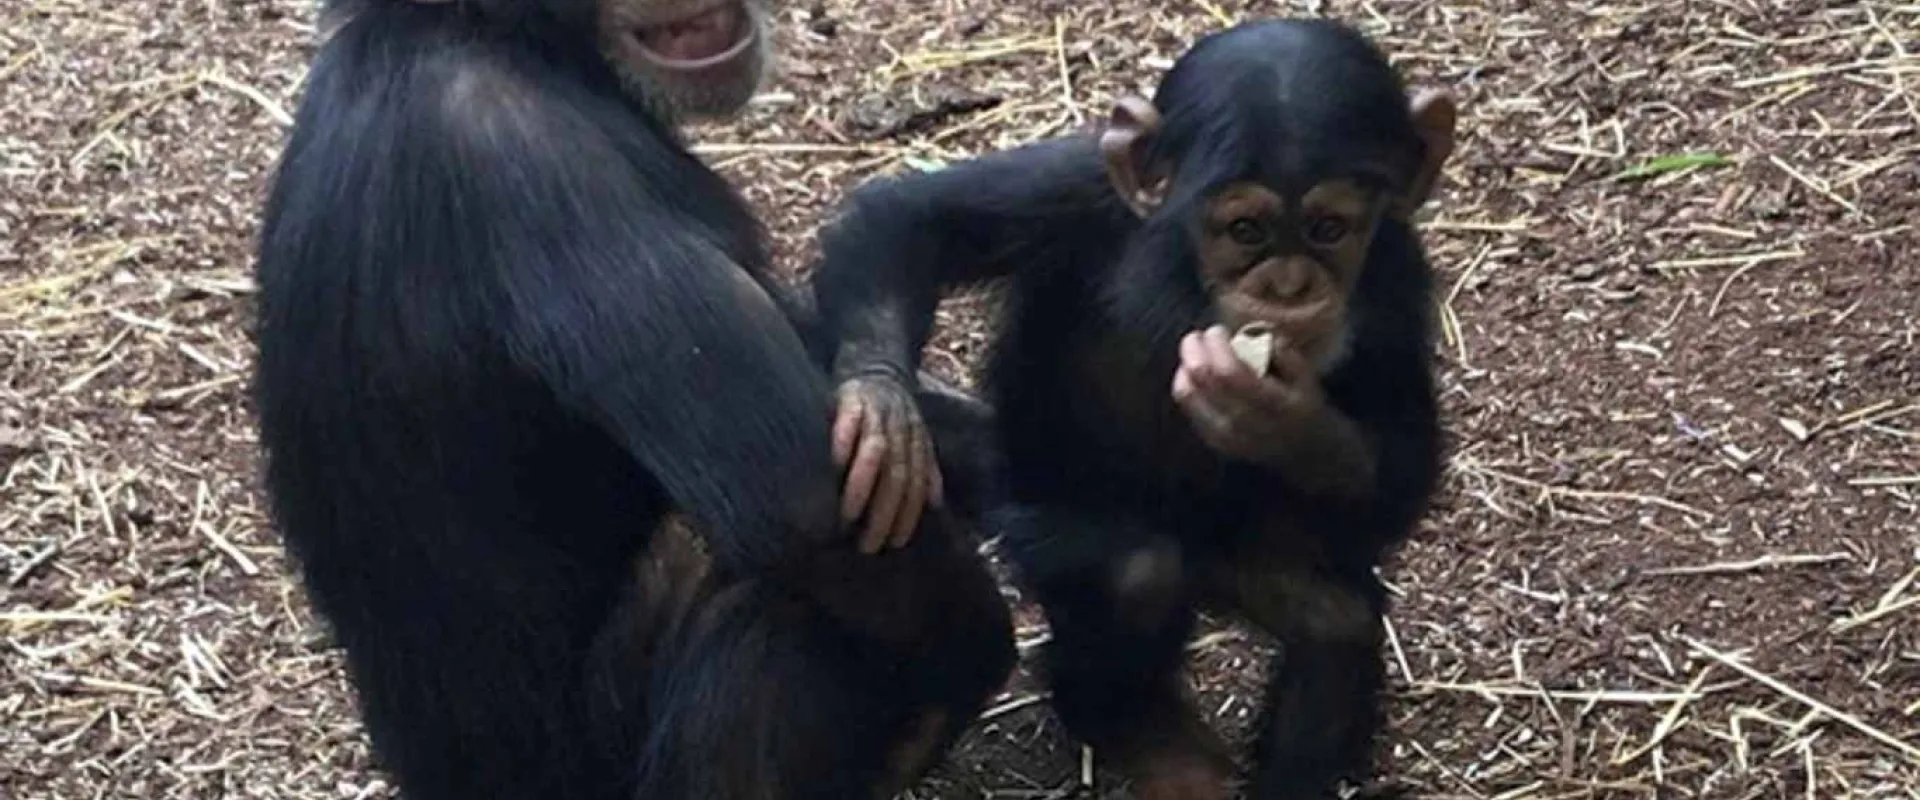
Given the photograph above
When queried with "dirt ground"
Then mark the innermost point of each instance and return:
(1676, 550)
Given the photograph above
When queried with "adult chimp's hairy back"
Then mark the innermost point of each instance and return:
(466, 259)
(396, 294)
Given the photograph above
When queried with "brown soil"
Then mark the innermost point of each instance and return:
(1675, 554)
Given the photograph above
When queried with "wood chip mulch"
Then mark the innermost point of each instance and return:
(1677, 552)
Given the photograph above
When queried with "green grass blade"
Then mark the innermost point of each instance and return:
(1668, 164)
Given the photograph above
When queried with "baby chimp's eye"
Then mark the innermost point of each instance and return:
(1326, 231)
(1247, 231)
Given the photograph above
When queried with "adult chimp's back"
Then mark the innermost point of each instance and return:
(508, 324)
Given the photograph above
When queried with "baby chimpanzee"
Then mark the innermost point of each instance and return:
(1156, 466)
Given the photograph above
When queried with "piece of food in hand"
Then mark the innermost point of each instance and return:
(1253, 343)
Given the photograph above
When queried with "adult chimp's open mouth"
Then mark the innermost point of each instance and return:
(713, 36)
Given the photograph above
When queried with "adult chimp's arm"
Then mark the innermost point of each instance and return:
(620, 303)
(899, 243)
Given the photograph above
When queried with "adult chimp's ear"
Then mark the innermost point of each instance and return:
(1434, 118)
(1124, 145)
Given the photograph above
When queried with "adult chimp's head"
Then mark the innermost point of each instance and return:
(689, 59)
(683, 59)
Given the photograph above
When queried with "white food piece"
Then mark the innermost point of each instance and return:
(1253, 343)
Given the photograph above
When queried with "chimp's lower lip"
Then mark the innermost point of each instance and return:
(733, 15)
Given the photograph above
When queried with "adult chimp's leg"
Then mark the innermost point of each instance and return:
(844, 676)
(966, 443)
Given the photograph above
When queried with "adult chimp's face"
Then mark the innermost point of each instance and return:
(689, 59)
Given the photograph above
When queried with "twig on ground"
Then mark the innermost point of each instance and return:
(1768, 561)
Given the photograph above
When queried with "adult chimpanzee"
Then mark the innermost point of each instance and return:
(1268, 184)
(508, 323)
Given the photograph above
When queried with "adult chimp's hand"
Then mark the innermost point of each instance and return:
(882, 445)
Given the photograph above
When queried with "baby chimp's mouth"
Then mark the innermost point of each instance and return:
(709, 37)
